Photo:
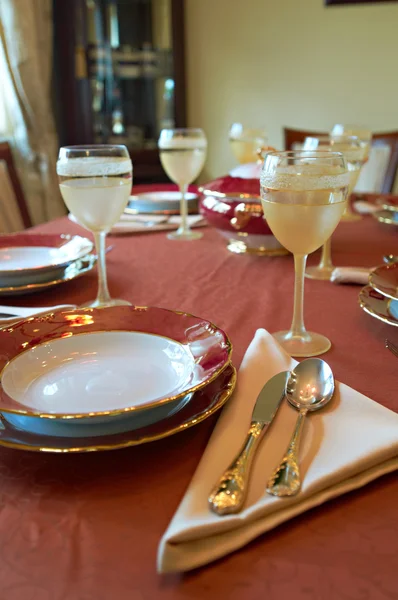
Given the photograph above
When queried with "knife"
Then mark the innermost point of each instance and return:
(229, 494)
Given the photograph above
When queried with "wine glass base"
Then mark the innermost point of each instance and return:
(112, 302)
(309, 344)
(320, 273)
(185, 235)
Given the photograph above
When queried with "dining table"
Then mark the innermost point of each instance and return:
(87, 526)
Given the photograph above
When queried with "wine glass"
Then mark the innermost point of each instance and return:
(353, 150)
(95, 183)
(365, 136)
(183, 154)
(246, 142)
(303, 195)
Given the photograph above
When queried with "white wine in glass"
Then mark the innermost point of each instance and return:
(95, 183)
(353, 150)
(183, 154)
(303, 195)
(365, 137)
(245, 142)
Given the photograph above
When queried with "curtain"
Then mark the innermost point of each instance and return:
(27, 118)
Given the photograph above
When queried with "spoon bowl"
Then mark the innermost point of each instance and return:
(309, 387)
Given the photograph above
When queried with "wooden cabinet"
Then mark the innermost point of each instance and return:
(119, 75)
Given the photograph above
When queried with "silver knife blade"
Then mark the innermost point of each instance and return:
(269, 398)
(229, 494)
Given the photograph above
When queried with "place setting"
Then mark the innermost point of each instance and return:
(107, 375)
(182, 154)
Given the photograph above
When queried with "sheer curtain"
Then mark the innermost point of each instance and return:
(26, 117)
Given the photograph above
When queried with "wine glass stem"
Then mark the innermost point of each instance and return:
(103, 293)
(297, 327)
(184, 227)
(326, 256)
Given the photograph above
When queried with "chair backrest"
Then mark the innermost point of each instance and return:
(384, 157)
(10, 216)
(10, 176)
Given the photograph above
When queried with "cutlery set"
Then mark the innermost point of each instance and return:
(307, 388)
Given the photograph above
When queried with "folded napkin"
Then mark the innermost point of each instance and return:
(148, 223)
(351, 275)
(345, 445)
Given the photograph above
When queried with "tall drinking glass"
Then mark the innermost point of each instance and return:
(365, 137)
(95, 183)
(245, 142)
(353, 151)
(183, 154)
(303, 196)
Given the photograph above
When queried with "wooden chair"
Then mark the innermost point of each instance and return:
(11, 190)
(390, 139)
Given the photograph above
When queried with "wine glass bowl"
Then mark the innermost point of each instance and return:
(364, 135)
(95, 183)
(247, 143)
(303, 196)
(183, 154)
(354, 152)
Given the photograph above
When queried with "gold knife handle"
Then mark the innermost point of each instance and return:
(230, 492)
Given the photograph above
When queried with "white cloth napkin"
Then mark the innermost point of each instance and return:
(345, 445)
(358, 275)
(149, 223)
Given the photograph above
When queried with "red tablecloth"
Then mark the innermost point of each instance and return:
(85, 527)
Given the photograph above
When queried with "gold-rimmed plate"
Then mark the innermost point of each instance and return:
(33, 257)
(62, 275)
(202, 405)
(96, 364)
(378, 306)
(384, 279)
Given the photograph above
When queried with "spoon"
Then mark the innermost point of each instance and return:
(309, 387)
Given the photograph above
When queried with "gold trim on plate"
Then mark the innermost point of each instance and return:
(225, 395)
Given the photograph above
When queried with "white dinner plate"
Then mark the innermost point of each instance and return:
(33, 258)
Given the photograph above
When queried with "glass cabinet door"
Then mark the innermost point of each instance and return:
(130, 68)
(119, 75)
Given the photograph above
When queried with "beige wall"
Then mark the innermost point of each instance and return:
(288, 62)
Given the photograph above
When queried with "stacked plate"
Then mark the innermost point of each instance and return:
(388, 212)
(33, 262)
(380, 297)
(161, 203)
(97, 379)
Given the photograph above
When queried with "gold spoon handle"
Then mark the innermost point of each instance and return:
(229, 494)
(285, 480)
